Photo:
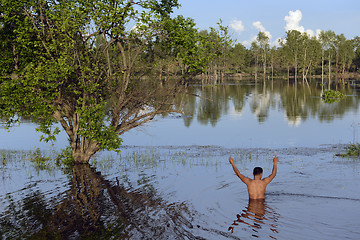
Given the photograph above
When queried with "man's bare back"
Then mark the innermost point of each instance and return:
(257, 186)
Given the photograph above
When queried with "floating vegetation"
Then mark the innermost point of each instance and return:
(353, 150)
(331, 96)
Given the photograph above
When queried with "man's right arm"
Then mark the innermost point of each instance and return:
(245, 180)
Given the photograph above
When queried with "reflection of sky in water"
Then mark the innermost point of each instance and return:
(262, 122)
(312, 197)
(243, 130)
(234, 129)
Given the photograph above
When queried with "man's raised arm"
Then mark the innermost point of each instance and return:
(245, 180)
(274, 170)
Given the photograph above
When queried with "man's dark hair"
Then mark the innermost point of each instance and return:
(257, 171)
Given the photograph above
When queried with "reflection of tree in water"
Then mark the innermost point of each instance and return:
(261, 101)
(213, 104)
(302, 101)
(188, 103)
(238, 95)
(95, 208)
(259, 217)
(297, 101)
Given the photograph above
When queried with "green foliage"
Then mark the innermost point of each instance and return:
(185, 42)
(93, 126)
(352, 150)
(65, 157)
(331, 96)
(72, 63)
(41, 162)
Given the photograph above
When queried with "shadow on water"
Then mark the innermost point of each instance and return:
(258, 216)
(94, 208)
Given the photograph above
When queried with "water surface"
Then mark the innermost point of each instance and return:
(173, 180)
(185, 193)
(257, 115)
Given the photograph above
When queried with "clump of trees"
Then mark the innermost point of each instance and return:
(298, 56)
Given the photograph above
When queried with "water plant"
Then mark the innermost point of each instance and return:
(40, 161)
(331, 96)
(352, 150)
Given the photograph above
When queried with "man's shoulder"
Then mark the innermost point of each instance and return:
(258, 181)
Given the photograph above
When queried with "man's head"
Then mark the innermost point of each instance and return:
(257, 171)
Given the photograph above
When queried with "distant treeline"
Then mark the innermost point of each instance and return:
(215, 55)
(180, 49)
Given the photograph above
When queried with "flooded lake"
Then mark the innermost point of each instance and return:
(173, 180)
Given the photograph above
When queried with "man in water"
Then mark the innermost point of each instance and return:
(257, 186)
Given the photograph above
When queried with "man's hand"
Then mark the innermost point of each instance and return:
(231, 160)
(276, 159)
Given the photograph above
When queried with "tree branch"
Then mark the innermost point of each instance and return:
(42, 40)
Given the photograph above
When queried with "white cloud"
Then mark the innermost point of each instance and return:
(247, 43)
(237, 25)
(310, 32)
(293, 23)
(261, 28)
(276, 43)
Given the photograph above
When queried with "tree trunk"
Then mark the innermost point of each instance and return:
(288, 73)
(82, 148)
(304, 67)
(16, 58)
(256, 60)
(82, 152)
(329, 68)
(296, 69)
(264, 67)
(322, 68)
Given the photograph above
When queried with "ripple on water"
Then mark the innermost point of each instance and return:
(190, 194)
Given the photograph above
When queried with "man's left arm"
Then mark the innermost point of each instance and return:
(274, 171)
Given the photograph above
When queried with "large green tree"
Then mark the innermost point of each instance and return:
(74, 62)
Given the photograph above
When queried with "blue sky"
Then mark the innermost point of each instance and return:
(247, 18)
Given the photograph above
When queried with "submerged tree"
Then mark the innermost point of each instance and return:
(327, 40)
(73, 62)
(263, 43)
(293, 46)
(344, 53)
